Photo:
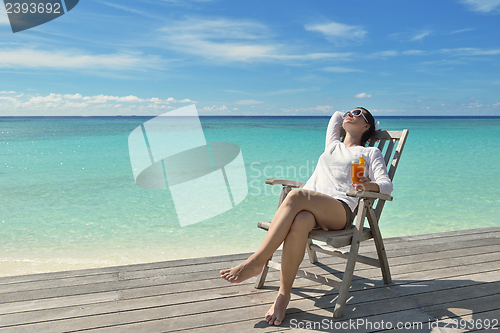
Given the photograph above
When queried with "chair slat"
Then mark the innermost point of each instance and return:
(388, 152)
(388, 135)
(381, 144)
(397, 154)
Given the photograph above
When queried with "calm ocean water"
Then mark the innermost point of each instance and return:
(69, 199)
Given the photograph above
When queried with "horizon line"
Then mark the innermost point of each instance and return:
(376, 116)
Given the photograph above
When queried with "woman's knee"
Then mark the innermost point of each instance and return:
(303, 222)
(296, 197)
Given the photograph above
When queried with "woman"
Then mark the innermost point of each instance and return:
(321, 203)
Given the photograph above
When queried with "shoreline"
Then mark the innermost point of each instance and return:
(50, 262)
(36, 264)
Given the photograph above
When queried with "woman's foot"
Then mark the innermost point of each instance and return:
(242, 272)
(276, 313)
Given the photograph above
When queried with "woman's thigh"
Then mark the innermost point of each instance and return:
(328, 211)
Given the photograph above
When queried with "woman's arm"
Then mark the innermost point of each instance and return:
(377, 172)
(334, 128)
(366, 185)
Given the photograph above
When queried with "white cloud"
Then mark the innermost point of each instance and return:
(338, 32)
(414, 52)
(320, 109)
(128, 9)
(248, 102)
(219, 38)
(11, 99)
(52, 98)
(482, 6)
(236, 91)
(75, 96)
(463, 52)
(286, 91)
(32, 58)
(461, 30)
(77, 104)
(420, 36)
(341, 69)
(362, 95)
(411, 36)
(385, 54)
(215, 108)
(324, 108)
(471, 52)
(231, 40)
(475, 104)
(173, 100)
(314, 56)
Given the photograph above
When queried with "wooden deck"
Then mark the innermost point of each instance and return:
(437, 276)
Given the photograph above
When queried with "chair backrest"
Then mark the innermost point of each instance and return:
(386, 141)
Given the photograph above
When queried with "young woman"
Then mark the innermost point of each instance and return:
(321, 203)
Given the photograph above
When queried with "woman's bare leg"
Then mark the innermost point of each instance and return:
(328, 213)
(293, 253)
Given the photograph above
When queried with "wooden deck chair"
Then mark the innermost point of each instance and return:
(386, 141)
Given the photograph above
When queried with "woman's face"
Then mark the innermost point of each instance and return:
(356, 121)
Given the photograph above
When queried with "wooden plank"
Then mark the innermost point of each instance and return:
(116, 269)
(58, 283)
(405, 317)
(237, 304)
(467, 320)
(214, 275)
(238, 257)
(445, 234)
(420, 271)
(164, 323)
(487, 302)
(153, 289)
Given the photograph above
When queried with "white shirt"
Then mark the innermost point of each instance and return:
(332, 175)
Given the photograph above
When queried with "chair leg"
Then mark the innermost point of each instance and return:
(313, 258)
(379, 245)
(351, 262)
(262, 277)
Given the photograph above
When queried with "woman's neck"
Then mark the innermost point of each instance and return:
(351, 141)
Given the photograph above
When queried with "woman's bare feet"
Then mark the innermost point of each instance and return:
(242, 272)
(276, 313)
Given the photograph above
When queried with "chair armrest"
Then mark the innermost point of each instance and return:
(284, 182)
(369, 195)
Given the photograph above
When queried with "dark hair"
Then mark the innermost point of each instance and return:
(371, 130)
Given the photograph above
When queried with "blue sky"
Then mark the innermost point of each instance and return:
(146, 57)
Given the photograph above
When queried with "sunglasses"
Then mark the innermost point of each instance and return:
(356, 113)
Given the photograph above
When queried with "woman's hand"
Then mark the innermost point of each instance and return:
(366, 185)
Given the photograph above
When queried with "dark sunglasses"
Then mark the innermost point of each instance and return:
(356, 113)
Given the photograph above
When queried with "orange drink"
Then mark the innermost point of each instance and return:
(358, 170)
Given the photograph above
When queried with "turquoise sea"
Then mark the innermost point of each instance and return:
(69, 199)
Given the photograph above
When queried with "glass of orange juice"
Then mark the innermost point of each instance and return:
(358, 170)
